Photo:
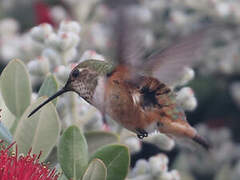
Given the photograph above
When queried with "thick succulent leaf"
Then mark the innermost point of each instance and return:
(49, 87)
(39, 132)
(7, 118)
(95, 171)
(97, 139)
(116, 159)
(63, 177)
(52, 159)
(73, 153)
(5, 134)
(15, 87)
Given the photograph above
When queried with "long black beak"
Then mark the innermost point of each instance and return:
(61, 91)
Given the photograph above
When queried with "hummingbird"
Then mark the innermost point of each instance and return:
(135, 92)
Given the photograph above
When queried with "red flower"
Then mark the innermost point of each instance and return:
(14, 167)
(42, 12)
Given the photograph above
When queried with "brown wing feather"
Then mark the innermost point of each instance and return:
(167, 65)
(156, 97)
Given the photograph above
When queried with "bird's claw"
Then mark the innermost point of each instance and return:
(141, 133)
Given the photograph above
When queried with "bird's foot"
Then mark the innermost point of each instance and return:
(141, 133)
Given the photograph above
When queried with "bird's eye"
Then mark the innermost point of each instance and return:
(75, 73)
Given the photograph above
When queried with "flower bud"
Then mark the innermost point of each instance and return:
(39, 66)
(175, 175)
(186, 99)
(162, 141)
(58, 13)
(63, 41)
(172, 175)
(53, 56)
(34, 96)
(68, 40)
(8, 51)
(70, 55)
(62, 72)
(223, 9)
(141, 177)
(8, 27)
(158, 164)
(133, 144)
(70, 26)
(141, 167)
(39, 33)
(187, 75)
(53, 41)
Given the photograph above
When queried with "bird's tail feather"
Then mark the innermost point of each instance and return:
(198, 139)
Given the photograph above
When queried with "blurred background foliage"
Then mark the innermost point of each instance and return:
(51, 36)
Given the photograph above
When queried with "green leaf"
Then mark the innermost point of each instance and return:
(97, 139)
(63, 177)
(95, 171)
(5, 134)
(116, 158)
(73, 153)
(15, 87)
(39, 132)
(49, 87)
(7, 118)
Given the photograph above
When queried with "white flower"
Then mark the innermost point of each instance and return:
(68, 40)
(34, 96)
(53, 56)
(39, 66)
(58, 13)
(133, 144)
(187, 75)
(223, 9)
(141, 167)
(158, 164)
(70, 26)
(53, 41)
(186, 98)
(162, 141)
(63, 41)
(70, 54)
(172, 175)
(8, 51)
(62, 72)
(39, 33)
(8, 27)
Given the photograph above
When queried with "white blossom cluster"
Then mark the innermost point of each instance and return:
(155, 168)
(9, 39)
(58, 49)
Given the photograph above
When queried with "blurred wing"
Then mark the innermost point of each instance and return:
(126, 39)
(167, 65)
